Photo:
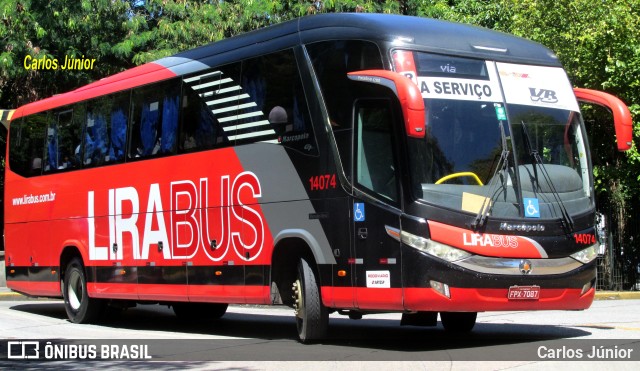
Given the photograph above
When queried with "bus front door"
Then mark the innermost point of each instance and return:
(375, 207)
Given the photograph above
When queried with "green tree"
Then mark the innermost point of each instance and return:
(55, 29)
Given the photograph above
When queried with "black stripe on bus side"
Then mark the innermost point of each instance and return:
(217, 275)
(14, 273)
(113, 274)
(44, 274)
(32, 273)
(181, 275)
(232, 275)
(255, 275)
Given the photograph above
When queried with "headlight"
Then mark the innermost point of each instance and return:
(431, 247)
(587, 255)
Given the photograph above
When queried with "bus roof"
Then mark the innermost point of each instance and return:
(404, 31)
(412, 32)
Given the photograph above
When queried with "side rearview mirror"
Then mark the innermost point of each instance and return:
(621, 115)
(407, 93)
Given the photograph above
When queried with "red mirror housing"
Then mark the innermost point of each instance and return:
(407, 92)
(621, 115)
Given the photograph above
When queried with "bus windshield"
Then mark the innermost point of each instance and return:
(476, 137)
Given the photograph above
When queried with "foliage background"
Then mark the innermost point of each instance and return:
(598, 41)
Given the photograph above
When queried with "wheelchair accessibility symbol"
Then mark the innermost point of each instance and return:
(358, 212)
(531, 208)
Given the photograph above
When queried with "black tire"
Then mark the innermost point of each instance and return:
(458, 321)
(79, 306)
(199, 311)
(312, 317)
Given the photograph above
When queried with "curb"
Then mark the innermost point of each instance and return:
(14, 294)
(617, 295)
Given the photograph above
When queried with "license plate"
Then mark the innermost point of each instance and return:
(524, 293)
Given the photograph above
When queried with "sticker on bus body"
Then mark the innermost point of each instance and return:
(532, 208)
(537, 86)
(379, 279)
(486, 89)
(358, 212)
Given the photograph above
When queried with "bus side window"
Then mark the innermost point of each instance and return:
(273, 83)
(51, 152)
(63, 134)
(20, 159)
(200, 130)
(213, 107)
(118, 132)
(374, 162)
(105, 130)
(154, 122)
(332, 60)
(27, 144)
(96, 133)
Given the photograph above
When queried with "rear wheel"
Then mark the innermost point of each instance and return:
(199, 311)
(458, 321)
(79, 306)
(312, 317)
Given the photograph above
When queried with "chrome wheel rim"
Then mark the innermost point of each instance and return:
(75, 290)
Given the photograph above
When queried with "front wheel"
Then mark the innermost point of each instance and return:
(79, 306)
(312, 317)
(458, 321)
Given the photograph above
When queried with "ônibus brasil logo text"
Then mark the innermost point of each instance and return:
(187, 225)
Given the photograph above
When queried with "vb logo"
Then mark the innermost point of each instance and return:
(543, 95)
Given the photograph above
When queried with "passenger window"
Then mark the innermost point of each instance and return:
(119, 125)
(105, 130)
(63, 138)
(212, 105)
(332, 60)
(258, 100)
(26, 145)
(274, 86)
(154, 125)
(374, 162)
(200, 130)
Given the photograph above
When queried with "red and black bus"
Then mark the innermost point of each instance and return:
(350, 163)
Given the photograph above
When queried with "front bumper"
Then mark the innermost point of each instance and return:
(474, 285)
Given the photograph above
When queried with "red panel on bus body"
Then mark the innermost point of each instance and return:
(113, 291)
(141, 75)
(502, 246)
(40, 288)
(479, 300)
(181, 202)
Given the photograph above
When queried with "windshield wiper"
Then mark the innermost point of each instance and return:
(501, 167)
(567, 221)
